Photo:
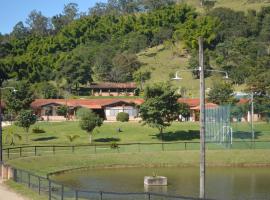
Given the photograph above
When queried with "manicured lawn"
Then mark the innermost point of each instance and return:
(47, 164)
(132, 132)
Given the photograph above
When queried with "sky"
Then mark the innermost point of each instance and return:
(13, 11)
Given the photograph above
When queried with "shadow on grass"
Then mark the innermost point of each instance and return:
(246, 134)
(179, 135)
(107, 140)
(45, 138)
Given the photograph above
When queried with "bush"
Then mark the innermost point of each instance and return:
(122, 117)
(38, 130)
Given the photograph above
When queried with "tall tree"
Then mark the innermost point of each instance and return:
(38, 23)
(21, 99)
(221, 93)
(25, 119)
(160, 108)
(89, 121)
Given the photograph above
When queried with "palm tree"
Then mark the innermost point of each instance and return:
(12, 137)
(71, 138)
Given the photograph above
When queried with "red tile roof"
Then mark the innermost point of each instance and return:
(100, 103)
(88, 103)
(109, 85)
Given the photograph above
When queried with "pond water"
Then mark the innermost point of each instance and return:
(221, 183)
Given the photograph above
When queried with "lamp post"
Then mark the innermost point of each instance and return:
(1, 130)
(202, 112)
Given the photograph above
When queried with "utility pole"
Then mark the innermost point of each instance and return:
(251, 118)
(202, 119)
(1, 139)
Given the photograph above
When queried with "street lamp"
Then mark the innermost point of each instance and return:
(202, 112)
(1, 139)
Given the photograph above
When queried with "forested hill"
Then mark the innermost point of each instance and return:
(72, 49)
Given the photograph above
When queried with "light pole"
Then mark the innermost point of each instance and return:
(1, 130)
(202, 113)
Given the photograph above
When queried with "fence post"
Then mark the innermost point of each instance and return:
(162, 146)
(149, 196)
(139, 147)
(53, 149)
(50, 190)
(20, 151)
(101, 194)
(185, 145)
(62, 192)
(35, 150)
(39, 185)
(29, 180)
(76, 194)
(8, 152)
(73, 149)
(95, 148)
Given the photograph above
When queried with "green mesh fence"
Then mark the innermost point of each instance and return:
(218, 126)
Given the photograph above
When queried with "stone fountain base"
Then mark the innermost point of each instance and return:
(155, 180)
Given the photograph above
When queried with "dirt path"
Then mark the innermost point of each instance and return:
(7, 194)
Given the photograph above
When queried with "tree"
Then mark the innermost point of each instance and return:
(125, 65)
(160, 108)
(11, 137)
(19, 30)
(70, 12)
(140, 77)
(38, 23)
(25, 119)
(72, 138)
(204, 26)
(21, 99)
(184, 110)
(45, 90)
(62, 110)
(89, 121)
(3, 73)
(221, 93)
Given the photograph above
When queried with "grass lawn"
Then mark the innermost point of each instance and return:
(43, 165)
(132, 132)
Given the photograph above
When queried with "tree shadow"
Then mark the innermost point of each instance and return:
(45, 138)
(246, 135)
(178, 135)
(107, 140)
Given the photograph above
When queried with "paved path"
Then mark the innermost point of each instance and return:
(7, 194)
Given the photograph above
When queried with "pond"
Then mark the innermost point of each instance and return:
(221, 183)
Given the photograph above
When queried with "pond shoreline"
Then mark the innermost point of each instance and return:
(212, 165)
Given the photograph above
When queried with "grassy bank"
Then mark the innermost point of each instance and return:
(47, 164)
(24, 191)
(56, 133)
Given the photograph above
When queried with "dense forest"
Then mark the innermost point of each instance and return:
(73, 49)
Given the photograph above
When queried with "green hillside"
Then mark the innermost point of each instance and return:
(240, 5)
(164, 62)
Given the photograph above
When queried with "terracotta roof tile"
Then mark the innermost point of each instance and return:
(109, 85)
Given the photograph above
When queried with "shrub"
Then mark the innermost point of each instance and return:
(114, 145)
(122, 117)
(38, 130)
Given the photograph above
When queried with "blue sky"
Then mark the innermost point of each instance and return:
(13, 11)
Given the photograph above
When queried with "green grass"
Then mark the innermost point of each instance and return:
(47, 164)
(163, 63)
(132, 132)
(240, 5)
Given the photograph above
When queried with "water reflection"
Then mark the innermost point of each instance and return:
(221, 183)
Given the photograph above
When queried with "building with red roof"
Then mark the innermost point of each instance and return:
(109, 108)
(113, 89)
